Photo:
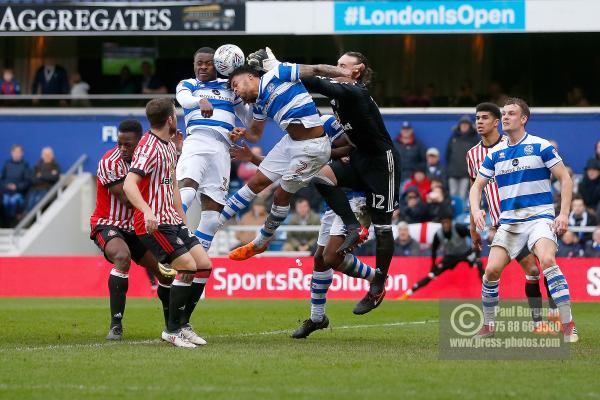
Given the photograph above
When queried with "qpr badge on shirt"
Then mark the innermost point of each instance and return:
(528, 149)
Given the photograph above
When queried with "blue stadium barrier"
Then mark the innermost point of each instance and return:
(74, 132)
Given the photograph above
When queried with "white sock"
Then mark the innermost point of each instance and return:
(187, 197)
(489, 299)
(238, 202)
(208, 226)
(559, 290)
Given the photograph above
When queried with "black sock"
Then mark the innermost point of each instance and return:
(534, 298)
(195, 294)
(384, 250)
(198, 286)
(180, 293)
(118, 283)
(421, 283)
(164, 294)
(551, 302)
(337, 200)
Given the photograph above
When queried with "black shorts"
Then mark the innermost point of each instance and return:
(377, 175)
(169, 242)
(103, 234)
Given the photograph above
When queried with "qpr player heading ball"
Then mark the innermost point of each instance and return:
(227, 58)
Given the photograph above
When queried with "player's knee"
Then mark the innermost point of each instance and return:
(122, 259)
(188, 182)
(547, 260)
(318, 261)
(164, 280)
(492, 274)
(330, 259)
(531, 270)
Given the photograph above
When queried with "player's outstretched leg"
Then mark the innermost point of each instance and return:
(279, 211)
(238, 202)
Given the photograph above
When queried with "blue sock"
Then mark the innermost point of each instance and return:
(355, 268)
(489, 299)
(559, 290)
(274, 219)
(318, 293)
(238, 202)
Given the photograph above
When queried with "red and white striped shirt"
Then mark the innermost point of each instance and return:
(475, 157)
(112, 170)
(154, 159)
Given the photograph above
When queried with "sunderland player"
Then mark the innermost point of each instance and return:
(112, 228)
(487, 118)
(159, 219)
(296, 158)
(210, 108)
(374, 163)
(521, 167)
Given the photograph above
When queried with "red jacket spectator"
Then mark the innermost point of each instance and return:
(420, 181)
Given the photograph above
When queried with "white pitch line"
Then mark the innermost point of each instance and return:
(235, 335)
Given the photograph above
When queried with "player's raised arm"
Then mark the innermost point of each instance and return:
(329, 71)
(130, 186)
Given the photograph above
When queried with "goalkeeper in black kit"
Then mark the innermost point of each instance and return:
(374, 165)
(452, 237)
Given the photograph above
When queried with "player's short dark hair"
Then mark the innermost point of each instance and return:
(158, 111)
(489, 107)
(367, 75)
(244, 69)
(133, 126)
(16, 146)
(521, 103)
(204, 50)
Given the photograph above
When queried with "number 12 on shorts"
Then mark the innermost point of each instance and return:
(378, 200)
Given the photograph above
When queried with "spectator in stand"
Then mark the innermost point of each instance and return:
(596, 153)
(45, 174)
(568, 245)
(14, 182)
(246, 169)
(151, 84)
(8, 84)
(589, 187)
(436, 183)
(592, 248)
(576, 97)
(413, 210)
(79, 90)
(126, 84)
(419, 181)
(412, 151)
(580, 217)
(496, 94)
(435, 170)
(51, 78)
(463, 138)
(256, 216)
(302, 215)
(405, 245)
(465, 97)
(437, 203)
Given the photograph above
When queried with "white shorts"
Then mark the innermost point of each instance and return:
(514, 237)
(296, 162)
(205, 159)
(332, 224)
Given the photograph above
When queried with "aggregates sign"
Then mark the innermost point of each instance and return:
(110, 19)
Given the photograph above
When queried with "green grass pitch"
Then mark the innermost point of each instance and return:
(55, 349)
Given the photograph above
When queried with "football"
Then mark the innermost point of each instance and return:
(227, 58)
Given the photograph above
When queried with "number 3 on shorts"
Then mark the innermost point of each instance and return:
(378, 200)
